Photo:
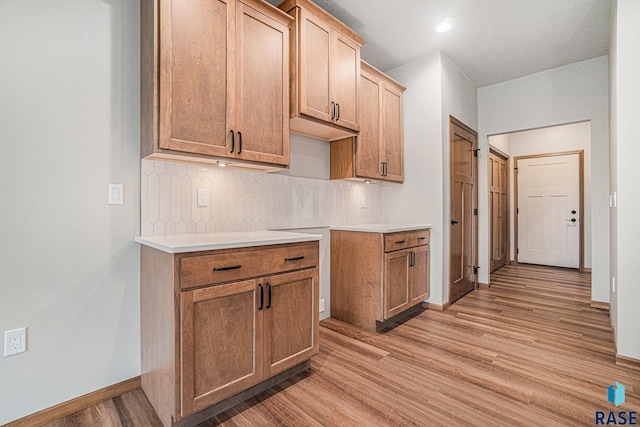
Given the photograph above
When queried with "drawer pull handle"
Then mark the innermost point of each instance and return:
(422, 238)
(232, 267)
(268, 295)
(401, 242)
(298, 258)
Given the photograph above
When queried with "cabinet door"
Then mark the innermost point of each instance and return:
(392, 138)
(196, 76)
(419, 274)
(315, 50)
(291, 320)
(396, 281)
(368, 153)
(262, 87)
(221, 343)
(345, 79)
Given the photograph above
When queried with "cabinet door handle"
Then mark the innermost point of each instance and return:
(233, 141)
(240, 142)
(333, 110)
(231, 267)
(338, 113)
(298, 258)
(268, 295)
(400, 242)
(412, 259)
(386, 169)
(261, 296)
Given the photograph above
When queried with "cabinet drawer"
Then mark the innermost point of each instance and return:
(239, 265)
(405, 239)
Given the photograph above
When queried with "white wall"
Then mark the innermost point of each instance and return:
(436, 88)
(626, 86)
(569, 94)
(70, 269)
(419, 199)
(571, 137)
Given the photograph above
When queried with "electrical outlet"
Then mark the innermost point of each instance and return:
(203, 198)
(15, 341)
(613, 284)
(363, 202)
(321, 305)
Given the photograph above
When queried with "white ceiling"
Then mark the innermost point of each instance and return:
(492, 40)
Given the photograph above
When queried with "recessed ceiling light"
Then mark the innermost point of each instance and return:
(444, 26)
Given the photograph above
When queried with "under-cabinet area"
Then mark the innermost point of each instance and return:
(378, 271)
(219, 325)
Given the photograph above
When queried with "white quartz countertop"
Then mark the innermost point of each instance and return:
(381, 228)
(180, 243)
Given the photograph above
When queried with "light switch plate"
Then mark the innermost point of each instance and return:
(116, 194)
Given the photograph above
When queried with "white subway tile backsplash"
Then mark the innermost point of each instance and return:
(247, 200)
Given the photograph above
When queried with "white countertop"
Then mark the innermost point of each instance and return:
(380, 228)
(180, 243)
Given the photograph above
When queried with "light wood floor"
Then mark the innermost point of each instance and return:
(529, 351)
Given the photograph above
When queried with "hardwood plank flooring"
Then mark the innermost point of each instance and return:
(528, 351)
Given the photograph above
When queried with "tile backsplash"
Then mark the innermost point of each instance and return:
(246, 200)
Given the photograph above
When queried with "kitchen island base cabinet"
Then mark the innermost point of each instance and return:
(377, 276)
(203, 346)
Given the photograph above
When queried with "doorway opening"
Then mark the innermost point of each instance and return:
(558, 225)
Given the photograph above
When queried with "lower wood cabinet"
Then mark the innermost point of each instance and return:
(376, 276)
(219, 340)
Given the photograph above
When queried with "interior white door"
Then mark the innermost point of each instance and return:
(548, 216)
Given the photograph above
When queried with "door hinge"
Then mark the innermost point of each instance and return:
(517, 211)
(516, 169)
(475, 211)
(517, 250)
(475, 269)
(475, 152)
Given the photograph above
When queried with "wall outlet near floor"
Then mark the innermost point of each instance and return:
(203, 198)
(15, 341)
(321, 305)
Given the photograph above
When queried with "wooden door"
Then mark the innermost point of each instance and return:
(196, 76)
(368, 153)
(396, 282)
(345, 78)
(419, 274)
(499, 209)
(392, 138)
(262, 87)
(221, 343)
(463, 204)
(315, 51)
(291, 319)
(549, 210)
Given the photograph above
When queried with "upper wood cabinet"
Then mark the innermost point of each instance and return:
(378, 152)
(215, 80)
(325, 70)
